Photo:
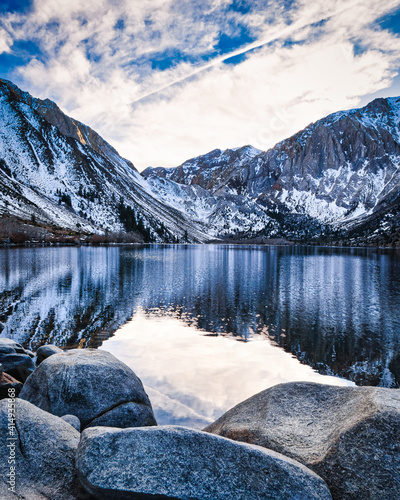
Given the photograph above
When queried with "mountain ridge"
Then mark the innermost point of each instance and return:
(336, 181)
(65, 124)
(59, 173)
(329, 177)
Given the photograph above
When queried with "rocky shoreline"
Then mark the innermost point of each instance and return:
(78, 424)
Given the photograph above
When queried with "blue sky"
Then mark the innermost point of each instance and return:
(166, 80)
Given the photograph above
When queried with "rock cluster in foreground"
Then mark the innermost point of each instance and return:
(43, 454)
(293, 441)
(16, 361)
(350, 436)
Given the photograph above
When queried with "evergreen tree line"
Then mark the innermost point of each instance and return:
(88, 194)
(131, 222)
(63, 198)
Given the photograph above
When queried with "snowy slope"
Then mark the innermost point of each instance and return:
(198, 188)
(337, 174)
(62, 173)
(339, 177)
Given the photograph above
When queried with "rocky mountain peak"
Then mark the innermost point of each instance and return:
(335, 173)
(338, 175)
(67, 126)
(59, 174)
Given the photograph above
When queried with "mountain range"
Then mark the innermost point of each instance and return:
(337, 181)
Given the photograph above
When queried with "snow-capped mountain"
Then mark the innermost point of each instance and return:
(58, 172)
(201, 189)
(337, 178)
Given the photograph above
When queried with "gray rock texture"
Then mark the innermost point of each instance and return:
(181, 463)
(8, 346)
(42, 449)
(16, 360)
(350, 436)
(17, 365)
(45, 351)
(6, 349)
(72, 420)
(91, 384)
(132, 414)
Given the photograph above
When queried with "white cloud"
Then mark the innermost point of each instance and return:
(5, 41)
(96, 64)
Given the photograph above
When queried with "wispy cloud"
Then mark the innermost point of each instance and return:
(5, 41)
(152, 76)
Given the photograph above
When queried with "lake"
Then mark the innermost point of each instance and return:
(206, 326)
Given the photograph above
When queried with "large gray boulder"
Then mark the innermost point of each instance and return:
(38, 454)
(350, 436)
(93, 385)
(181, 463)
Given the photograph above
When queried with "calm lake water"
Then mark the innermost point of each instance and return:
(175, 314)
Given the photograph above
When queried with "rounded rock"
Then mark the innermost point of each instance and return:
(43, 450)
(73, 420)
(90, 384)
(17, 365)
(350, 436)
(45, 351)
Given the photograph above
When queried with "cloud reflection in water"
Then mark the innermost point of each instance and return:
(191, 378)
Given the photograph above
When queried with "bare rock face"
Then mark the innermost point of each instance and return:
(180, 463)
(93, 385)
(39, 135)
(350, 436)
(38, 454)
(66, 125)
(340, 173)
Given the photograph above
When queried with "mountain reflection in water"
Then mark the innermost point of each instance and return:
(337, 310)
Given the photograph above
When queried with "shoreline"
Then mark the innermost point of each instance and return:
(60, 244)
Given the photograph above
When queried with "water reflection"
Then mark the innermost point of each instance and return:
(193, 379)
(337, 310)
